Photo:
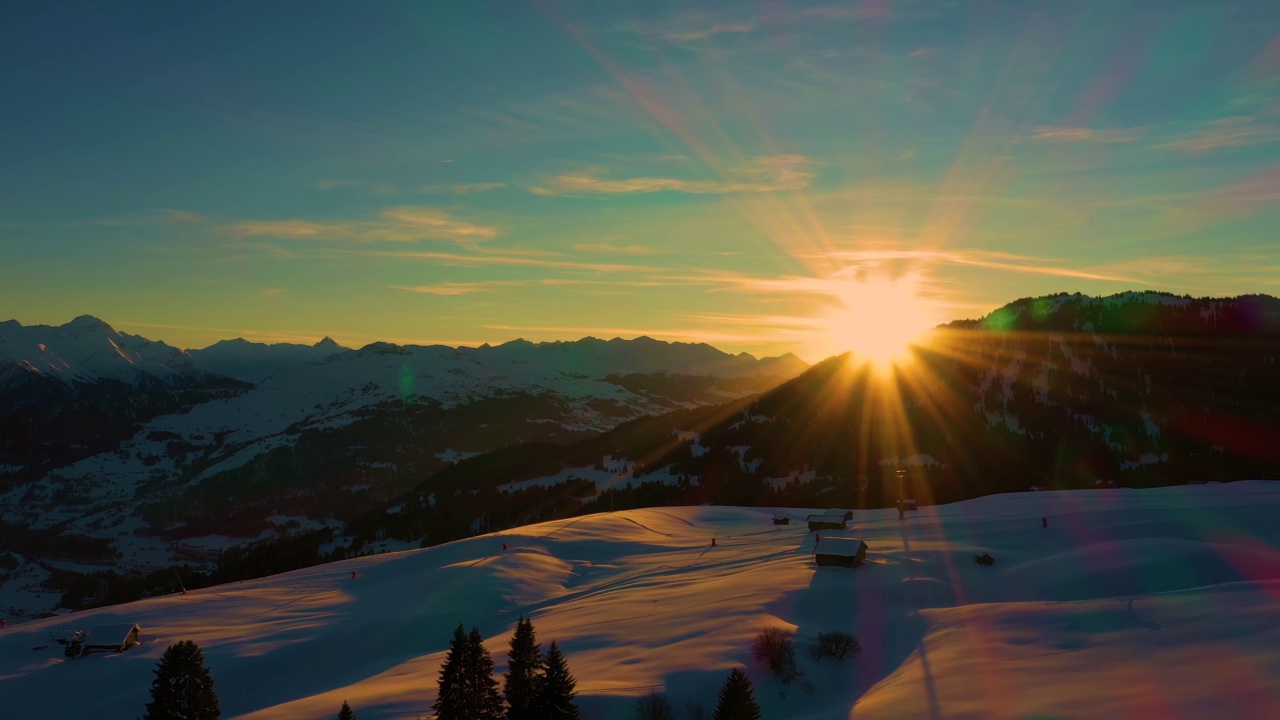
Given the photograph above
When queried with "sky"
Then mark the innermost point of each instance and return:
(766, 177)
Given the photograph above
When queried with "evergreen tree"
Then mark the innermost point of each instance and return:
(555, 696)
(524, 672)
(485, 688)
(467, 690)
(345, 713)
(736, 699)
(451, 700)
(183, 688)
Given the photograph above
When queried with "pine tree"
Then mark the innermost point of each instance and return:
(467, 688)
(345, 713)
(183, 687)
(485, 688)
(524, 672)
(555, 696)
(736, 699)
(451, 700)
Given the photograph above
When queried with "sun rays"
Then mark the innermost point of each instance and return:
(877, 320)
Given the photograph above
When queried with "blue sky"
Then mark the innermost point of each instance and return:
(751, 175)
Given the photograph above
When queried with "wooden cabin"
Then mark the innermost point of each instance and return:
(826, 522)
(840, 551)
(112, 638)
(782, 521)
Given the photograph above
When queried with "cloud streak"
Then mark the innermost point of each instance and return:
(776, 173)
(462, 188)
(1226, 133)
(603, 247)
(458, 288)
(981, 258)
(406, 223)
(510, 260)
(704, 33)
(1065, 135)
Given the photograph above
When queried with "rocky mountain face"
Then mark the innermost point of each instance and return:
(42, 366)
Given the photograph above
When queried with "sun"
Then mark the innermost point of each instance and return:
(878, 320)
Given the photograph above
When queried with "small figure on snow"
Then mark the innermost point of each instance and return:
(713, 542)
(504, 547)
(4, 623)
(1044, 521)
(353, 574)
(901, 511)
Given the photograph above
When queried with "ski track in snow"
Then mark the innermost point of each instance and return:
(1150, 603)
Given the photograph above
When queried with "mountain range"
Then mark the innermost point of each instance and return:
(289, 455)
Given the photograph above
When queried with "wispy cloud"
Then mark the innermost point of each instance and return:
(982, 258)
(376, 187)
(765, 174)
(410, 222)
(462, 188)
(861, 11)
(603, 247)
(273, 292)
(183, 216)
(283, 229)
(704, 33)
(1060, 134)
(511, 260)
(406, 223)
(458, 288)
(1230, 132)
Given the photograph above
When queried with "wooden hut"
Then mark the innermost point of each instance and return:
(840, 551)
(112, 638)
(829, 521)
(782, 521)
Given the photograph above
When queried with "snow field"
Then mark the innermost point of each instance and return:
(1153, 603)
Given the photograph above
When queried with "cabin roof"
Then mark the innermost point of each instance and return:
(111, 633)
(826, 517)
(839, 546)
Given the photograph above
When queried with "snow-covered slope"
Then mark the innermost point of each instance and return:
(1131, 603)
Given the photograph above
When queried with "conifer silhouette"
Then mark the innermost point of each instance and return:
(467, 690)
(183, 687)
(555, 696)
(524, 673)
(737, 702)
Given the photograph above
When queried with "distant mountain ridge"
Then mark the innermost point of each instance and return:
(252, 362)
(118, 434)
(42, 365)
(89, 358)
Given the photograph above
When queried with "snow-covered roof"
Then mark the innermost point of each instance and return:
(841, 546)
(827, 518)
(112, 634)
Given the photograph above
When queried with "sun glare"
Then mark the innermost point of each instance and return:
(879, 320)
